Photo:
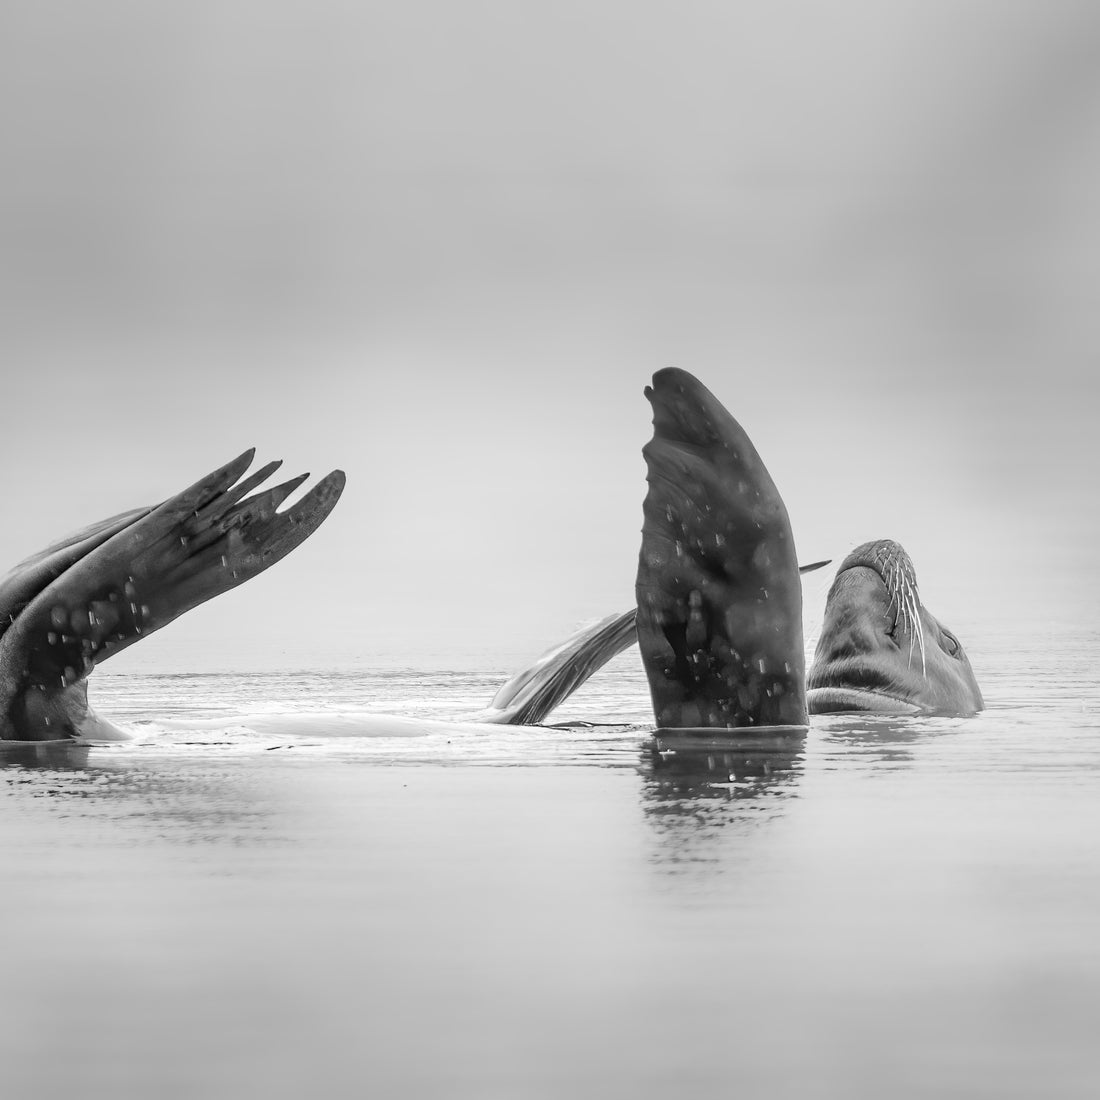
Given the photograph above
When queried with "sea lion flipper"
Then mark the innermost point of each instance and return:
(529, 696)
(26, 579)
(719, 596)
(197, 544)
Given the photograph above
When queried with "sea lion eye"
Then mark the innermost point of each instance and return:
(950, 642)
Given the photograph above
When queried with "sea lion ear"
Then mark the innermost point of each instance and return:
(718, 590)
(129, 579)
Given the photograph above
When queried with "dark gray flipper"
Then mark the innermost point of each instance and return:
(719, 598)
(530, 695)
(89, 597)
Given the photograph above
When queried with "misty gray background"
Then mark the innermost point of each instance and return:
(445, 245)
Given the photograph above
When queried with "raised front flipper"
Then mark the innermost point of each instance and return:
(530, 695)
(719, 598)
(152, 567)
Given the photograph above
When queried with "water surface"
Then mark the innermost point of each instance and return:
(272, 892)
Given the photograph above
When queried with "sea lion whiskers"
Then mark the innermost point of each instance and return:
(901, 583)
(915, 599)
(891, 576)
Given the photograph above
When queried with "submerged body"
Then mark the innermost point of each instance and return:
(719, 616)
(880, 650)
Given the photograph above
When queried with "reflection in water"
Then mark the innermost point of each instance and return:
(201, 802)
(886, 739)
(697, 801)
(59, 755)
(421, 917)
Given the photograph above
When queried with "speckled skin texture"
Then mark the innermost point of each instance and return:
(67, 609)
(718, 590)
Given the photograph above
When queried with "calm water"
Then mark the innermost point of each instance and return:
(272, 893)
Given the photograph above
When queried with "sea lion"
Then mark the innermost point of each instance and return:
(869, 655)
(881, 649)
(68, 608)
(719, 603)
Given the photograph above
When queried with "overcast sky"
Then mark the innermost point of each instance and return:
(444, 246)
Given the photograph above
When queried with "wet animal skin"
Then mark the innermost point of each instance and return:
(718, 589)
(77, 603)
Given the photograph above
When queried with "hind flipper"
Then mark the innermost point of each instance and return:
(532, 694)
(150, 570)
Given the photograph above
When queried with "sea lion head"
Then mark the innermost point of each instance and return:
(881, 649)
